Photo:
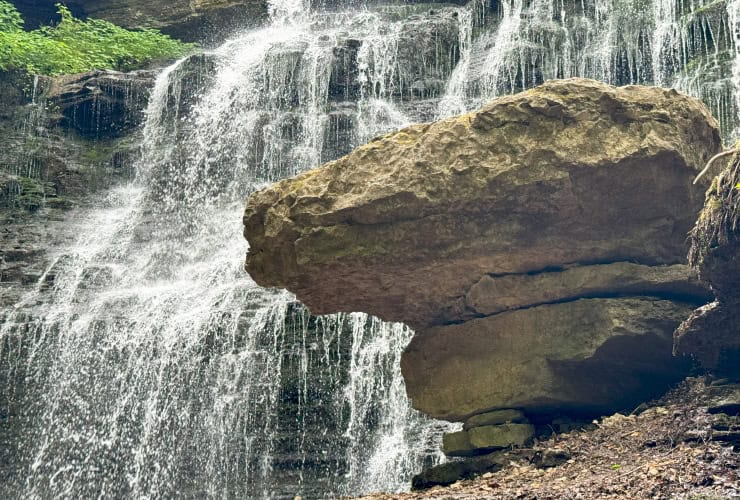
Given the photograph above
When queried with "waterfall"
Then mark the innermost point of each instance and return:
(666, 39)
(733, 10)
(156, 367)
(453, 102)
(662, 42)
(146, 363)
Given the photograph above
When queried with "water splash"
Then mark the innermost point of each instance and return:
(685, 45)
(453, 102)
(287, 12)
(500, 65)
(666, 40)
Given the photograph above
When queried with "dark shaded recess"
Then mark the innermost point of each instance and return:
(647, 379)
(343, 84)
(710, 336)
(720, 261)
(693, 297)
(104, 105)
(339, 137)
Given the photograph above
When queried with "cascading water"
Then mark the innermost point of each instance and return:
(147, 363)
(733, 10)
(156, 367)
(689, 46)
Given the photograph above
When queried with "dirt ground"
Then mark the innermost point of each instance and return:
(672, 449)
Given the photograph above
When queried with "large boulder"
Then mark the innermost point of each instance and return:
(485, 231)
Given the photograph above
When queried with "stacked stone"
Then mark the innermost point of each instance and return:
(490, 431)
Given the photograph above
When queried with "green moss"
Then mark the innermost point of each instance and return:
(101, 153)
(32, 194)
(706, 63)
(60, 203)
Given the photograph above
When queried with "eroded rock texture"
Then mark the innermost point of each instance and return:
(536, 245)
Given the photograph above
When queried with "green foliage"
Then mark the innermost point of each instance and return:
(75, 46)
(10, 18)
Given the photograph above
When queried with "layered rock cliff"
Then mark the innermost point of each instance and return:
(205, 21)
(537, 245)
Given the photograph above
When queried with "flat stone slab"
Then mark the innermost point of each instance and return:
(494, 418)
(490, 437)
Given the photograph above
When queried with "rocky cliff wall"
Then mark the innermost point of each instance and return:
(712, 333)
(64, 140)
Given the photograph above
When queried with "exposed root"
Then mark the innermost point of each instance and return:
(711, 162)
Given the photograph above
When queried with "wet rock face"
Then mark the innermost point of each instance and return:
(63, 139)
(107, 104)
(530, 244)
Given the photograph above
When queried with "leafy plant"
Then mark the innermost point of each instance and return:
(75, 46)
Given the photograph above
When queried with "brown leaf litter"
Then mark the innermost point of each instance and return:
(669, 450)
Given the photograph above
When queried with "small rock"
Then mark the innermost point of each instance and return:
(724, 422)
(724, 399)
(457, 444)
(551, 457)
(501, 436)
(451, 472)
